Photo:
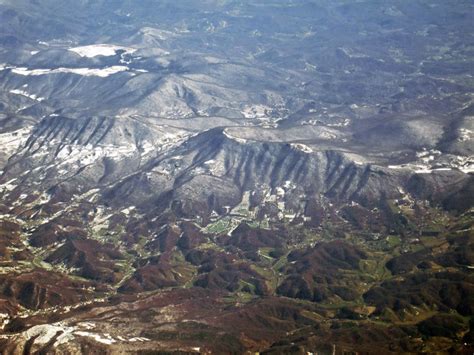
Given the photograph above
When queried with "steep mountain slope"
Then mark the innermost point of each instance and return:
(223, 176)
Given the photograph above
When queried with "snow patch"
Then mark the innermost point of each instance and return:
(85, 155)
(95, 50)
(147, 147)
(138, 339)
(428, 163)
(128, 210)
(46, 332)
(239, 140)
(302, 147)
(344, 123)
(465, 135)
(11, 141)
(104, 339)
(100, 72)
(30, 96)
(8, 186)
(259, 112)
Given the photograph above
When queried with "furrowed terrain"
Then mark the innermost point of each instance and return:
(236, 177)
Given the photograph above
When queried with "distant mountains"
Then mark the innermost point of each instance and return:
(286, 176)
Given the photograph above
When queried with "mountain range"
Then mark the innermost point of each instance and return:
(228, 176)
